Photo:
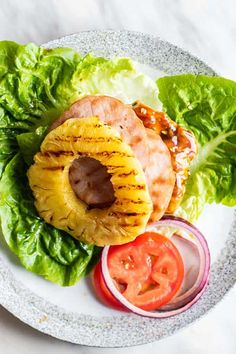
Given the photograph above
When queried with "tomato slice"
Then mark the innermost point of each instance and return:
(148, 272)
(102, 291)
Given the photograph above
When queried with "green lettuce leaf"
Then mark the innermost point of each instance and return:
(118, 78)
(29, 143)
(207, 106)
(41, 248)
(33, 81)
(8, 146)
(35, 87)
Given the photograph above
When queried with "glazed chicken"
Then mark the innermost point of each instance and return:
(180, 142)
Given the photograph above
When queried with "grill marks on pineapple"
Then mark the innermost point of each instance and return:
(58, 153)
(54, 168)
(112, 167)
(87, 139)
(126, 201)
(124, 214)
(112, 153)
(127, 174)
(133, 187)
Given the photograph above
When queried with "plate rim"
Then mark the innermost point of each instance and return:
(123, 330)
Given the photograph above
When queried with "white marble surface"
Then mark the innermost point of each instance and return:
(207, 28)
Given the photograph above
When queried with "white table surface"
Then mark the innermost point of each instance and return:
(207, 28)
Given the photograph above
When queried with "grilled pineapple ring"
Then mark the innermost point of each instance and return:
(56, 201)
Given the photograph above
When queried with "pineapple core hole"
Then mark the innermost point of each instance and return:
(91, 183)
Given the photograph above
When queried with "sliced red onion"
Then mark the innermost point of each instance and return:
(193, 278)
(194, 284)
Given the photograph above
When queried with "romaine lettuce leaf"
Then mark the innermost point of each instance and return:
(207, 106)
(33, 81)
(41, 248)
(35, 86)
(29, 143)
(8, 146)
(118, 78)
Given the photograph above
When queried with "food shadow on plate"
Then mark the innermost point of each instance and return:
(92, 293)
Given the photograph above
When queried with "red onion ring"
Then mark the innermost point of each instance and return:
(193, 278)
(184, 301)
(204, 260)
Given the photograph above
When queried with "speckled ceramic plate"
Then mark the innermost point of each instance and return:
(73, 314)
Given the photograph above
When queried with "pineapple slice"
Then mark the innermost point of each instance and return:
(56, 201)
